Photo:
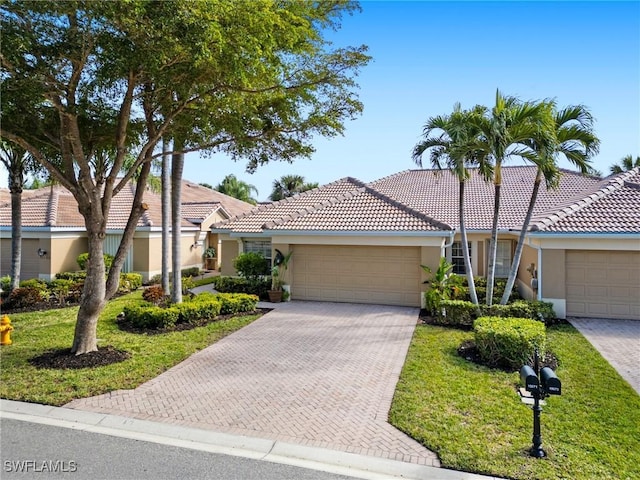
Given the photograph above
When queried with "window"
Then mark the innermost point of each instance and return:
(457, 258)
(263, 247)
(503, 259)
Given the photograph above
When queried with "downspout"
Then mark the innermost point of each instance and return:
(444, 246)
(539, 269)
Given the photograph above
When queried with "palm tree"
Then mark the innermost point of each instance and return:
(448, 137)
(507, 132)
(288, 186)
(572, 137)
(626, 164)
(235, 188)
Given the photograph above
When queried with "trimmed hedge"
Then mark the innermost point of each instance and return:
(463, 313)
(509, 342)
(129, 282)
(200, 309)
(257, 287)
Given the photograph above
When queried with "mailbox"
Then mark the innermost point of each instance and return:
(550, 382)
(530, 379)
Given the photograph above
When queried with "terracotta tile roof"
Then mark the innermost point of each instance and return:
(435, 193)
(612, 207)
(254, 221)
(56, 207)
(363, 209)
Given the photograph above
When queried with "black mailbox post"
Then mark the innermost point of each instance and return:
(540, 387)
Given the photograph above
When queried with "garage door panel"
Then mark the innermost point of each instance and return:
(603, 284)
(361, 274)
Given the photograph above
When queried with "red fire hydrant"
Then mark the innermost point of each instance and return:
(5, 330)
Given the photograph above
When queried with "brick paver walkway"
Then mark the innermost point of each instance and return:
(618, 341)
(317, 374)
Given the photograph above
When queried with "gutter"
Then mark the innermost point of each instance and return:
(443, 248)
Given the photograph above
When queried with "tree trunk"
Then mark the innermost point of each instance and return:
(517, 256)
(177, 164)
(93, 300)
(166, 214)
(465, 248)
(493, 246)
(15, 187)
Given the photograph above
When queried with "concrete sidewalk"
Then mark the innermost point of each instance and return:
(307, 373)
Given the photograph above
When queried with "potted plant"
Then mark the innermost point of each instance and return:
(209, 256)
(275, 294)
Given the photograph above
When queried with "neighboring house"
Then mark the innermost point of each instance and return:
(53, 231)
(357, 242)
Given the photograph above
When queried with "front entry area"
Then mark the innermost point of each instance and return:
(357, 274)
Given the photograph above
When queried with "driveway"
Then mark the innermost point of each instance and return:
(316, 374)
(618, 341)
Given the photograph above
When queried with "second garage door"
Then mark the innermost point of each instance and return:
(603, 284)
(359, 274)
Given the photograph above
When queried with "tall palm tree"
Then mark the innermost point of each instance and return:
(288, 186)
(572, 137)
(626, 164)
(448, 138)
(506, 132)
(235, 188)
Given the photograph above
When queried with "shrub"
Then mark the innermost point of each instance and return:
(190, 272)
(60, 288)
(233, 303)
(5, 283)
(258, 287)
(39, 285)
(250, 265)
(151, 316)
(24, 297)
(508, 342)
(75, 276)
(129, 282)
(456, 313)
(153, 294)
(83, 258)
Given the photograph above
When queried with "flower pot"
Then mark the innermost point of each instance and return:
(275, 296)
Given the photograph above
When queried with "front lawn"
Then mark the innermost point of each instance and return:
(472, 417)
(37, 332)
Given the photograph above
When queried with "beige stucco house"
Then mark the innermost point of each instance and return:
(53, 233)
(357, 242)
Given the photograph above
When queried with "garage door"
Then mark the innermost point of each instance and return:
(359, 274)
(603, 284)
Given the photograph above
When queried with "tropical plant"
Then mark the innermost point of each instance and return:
(508, 131)
(573, 137)
(210, 252)
(448, 138)
(250, 265)
(239, 189)
(276, 279)
(444, 285)
(627, 163)
(289, 185)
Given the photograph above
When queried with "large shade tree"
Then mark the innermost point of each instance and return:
(449, 140)
(253, 79)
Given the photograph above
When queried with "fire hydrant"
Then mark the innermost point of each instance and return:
(5, 330)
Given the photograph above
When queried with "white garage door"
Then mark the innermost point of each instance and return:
(359, 274)
(603, 284)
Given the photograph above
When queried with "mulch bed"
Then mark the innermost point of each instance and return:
(63, 358)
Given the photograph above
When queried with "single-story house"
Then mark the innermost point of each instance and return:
(53, 231)
(365, 242)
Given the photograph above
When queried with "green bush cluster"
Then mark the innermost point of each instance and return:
(251, 265)
(83, 259)
(185, 273)
(508, 342)
(197, 310)
(74, 276)
(258, 287)
(463, 313)
(129, 282)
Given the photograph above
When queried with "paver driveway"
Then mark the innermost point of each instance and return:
(318, 374)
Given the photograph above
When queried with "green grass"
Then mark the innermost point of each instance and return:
(37, 332)
(473, 419)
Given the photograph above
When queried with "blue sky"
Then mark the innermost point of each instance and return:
(428, 55)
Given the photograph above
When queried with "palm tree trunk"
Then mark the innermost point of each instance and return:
(517, 256)
(493, 246)
(465, 248)
(15, 187)
(177, 164)
(166, 215)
